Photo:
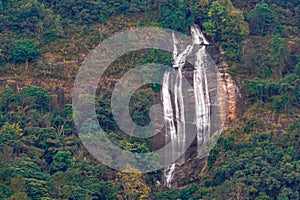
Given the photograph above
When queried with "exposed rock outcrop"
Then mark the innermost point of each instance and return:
(189, 171)
(61, 90)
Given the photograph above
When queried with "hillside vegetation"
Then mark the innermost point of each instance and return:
(43, 43)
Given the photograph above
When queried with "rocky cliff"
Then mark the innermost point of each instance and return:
(190, 171)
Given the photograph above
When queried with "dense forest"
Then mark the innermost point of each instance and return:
(42, 45)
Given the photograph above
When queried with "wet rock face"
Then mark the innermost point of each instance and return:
(232, 91)
(189, 171)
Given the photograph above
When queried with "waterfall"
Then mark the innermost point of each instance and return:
(169, 124)
(174, 107)
(179, 112)
(174, 119)
(168, 110)
(169, 173)
(202, 101)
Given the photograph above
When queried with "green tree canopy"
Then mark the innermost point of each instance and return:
(261, 20)
(176, 15)
(61, 161)
(25, 50)
(36, 97)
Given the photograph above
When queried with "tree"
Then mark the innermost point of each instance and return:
(18, 185)
(226, 24)
(8, 100)
(255, 89)
(100, 189)
(261, 20)
(30, 19)
(216, 14)
(18, 196)
(35, 179)
(25, 50)
(63, 122)
(297, 69)
(279, 55)
(139, 106)
(236, 28)
(36, 98)
(132, 185)
(9, 135)
(176, 15)
(2, 56)
(61, 161)
(60, 185)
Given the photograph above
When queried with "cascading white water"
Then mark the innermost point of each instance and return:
(169, 124)
(174, 118)
(169, 173)
(168, 110)
(179, 111)
(202, 101)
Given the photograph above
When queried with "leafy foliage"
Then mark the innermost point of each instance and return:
(36, 98)
(61, 161)
(261, 19)
(25, 50)
(268, 175)
(226, 25)
(132, 184)
(9, 135)
(176, 15)
(41, 156)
